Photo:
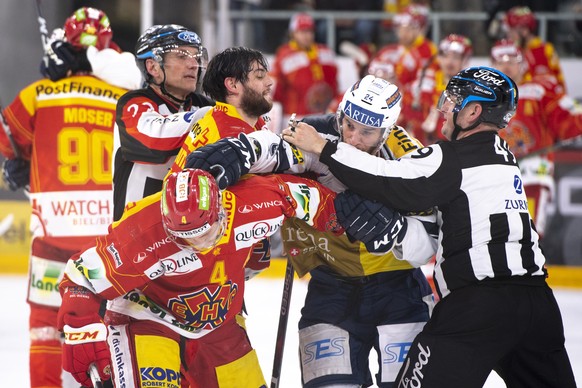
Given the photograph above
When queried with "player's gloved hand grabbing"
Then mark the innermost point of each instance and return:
(61, 60)
(234, 155)
(16, 173)
(85, 344)
(370, 222)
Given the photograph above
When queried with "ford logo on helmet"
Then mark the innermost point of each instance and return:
(488, 76)
(188, 36)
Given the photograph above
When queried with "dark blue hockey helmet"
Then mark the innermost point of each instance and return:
(160, 39)
(495, 91)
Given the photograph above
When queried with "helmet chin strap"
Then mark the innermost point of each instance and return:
(457, 129)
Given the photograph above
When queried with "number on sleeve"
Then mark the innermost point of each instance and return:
(502, 149)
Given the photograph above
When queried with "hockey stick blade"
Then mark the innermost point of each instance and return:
(282, 328)
(94, 374)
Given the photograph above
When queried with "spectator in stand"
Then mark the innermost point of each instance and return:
(541, 57)
(305, 72)
(396, 6)
(359, 31)
(544, 116)
(62, 128)
(383, 64)
(419, 113)
(411, 26)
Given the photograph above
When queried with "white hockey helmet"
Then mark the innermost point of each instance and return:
(373, 102)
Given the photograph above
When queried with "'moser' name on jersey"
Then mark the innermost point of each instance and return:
(362, 115)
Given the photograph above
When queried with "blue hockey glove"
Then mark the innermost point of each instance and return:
(370, 222)
(234, 156)
(16, 173)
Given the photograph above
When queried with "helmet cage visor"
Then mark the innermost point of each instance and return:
(202, 238)
(162, 43)
(465, 91)
(201, 57)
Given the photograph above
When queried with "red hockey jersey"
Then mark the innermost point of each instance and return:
(221, 121)
(66, 129)
(305, 81)
(542, 60)
(147, 276)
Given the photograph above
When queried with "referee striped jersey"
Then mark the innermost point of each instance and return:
(486, 231)
(149, 130)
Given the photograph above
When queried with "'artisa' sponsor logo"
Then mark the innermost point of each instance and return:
(414, 379)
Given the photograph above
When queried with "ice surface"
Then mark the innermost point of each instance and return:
(263, 299)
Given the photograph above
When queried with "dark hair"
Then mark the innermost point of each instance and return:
(235, 62)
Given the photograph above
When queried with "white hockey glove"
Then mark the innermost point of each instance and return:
(377, 226)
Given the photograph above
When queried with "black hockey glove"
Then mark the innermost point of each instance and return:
(234, 156)
(370, 222)
(61, 58)
(16, 173)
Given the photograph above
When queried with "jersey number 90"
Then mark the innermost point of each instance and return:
(84, 156)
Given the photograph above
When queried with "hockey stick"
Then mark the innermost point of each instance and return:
(553, 147)
(8, 133)
(282, 329)
(42, 27)
(94, 374)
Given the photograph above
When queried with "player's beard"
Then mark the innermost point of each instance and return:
(254, 104)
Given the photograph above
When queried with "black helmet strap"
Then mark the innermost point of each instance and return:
(457, 129)
(162, 86)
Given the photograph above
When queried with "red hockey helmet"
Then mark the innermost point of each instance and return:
(456, 43)
(192, 213)
(88, 27)
(300, 22)
(504, 50)
(520, 16)
(383, 65)
(413, 15)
